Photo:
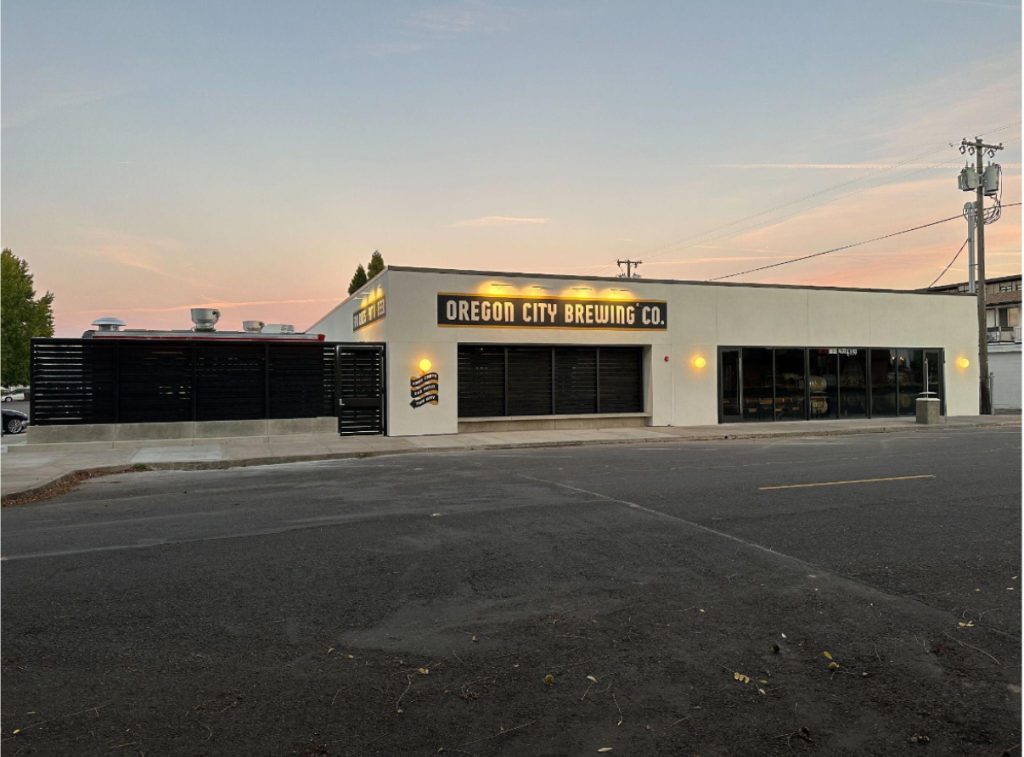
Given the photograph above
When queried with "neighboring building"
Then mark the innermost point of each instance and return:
(1002, 308)
(477, 350)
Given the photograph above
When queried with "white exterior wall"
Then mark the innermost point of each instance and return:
(701, 317)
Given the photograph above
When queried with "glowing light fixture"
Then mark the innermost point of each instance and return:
(962, 363)
(425, 365)
(700, 361)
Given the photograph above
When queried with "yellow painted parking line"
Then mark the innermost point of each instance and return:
(841, 483)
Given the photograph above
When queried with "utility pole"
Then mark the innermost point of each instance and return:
(978, 148)
(630, 266)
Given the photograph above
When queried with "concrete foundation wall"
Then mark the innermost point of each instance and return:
(553, 423)
(120, 432)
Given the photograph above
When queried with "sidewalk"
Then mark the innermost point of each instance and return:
(30, 470)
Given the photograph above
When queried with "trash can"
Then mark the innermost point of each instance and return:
(928, 406)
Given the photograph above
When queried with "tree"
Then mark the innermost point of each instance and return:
(358, 279)
(22, 317)
(376, 265)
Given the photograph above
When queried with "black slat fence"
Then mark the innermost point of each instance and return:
(79, 381)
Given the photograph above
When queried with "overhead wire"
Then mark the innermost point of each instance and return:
(788, 261)
(682, 242)
(693, 239)
(949, 264)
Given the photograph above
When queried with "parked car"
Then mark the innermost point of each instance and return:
(14, 396)
(15, 421)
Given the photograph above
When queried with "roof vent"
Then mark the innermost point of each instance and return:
(253, 327)
(108, 323)
(205, 318)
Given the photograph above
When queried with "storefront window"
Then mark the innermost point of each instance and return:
(575, 380)
(789, 384)
(529, 381)
(822, 383)
(853, 385)
(883, 382)
(911, 379)
(758, 384)
(620, 379)
(729, 373)
(481, 381)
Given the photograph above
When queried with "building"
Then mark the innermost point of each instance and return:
(431, 351)
(473, 350)
(1002, 309)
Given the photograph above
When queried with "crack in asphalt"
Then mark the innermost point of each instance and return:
(814, 571)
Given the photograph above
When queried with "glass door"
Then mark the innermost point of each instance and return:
(730, 397)
(933, 371)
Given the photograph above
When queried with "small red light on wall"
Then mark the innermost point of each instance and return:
(666, 358)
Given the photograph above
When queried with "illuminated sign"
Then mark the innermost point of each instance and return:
(423, 389)
(508, 311)
(368, 314)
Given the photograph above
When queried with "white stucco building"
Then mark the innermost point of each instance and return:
(468, 350)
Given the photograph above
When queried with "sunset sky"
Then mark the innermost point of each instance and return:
(244, 155)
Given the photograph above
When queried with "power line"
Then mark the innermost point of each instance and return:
(845, 246)
(703, 236)
(950, 264)
(767, 211)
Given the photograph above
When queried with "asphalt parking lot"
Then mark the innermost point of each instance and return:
(675, 598)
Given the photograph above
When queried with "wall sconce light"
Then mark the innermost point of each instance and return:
(425, 365)
(963, 363)
(699, 362)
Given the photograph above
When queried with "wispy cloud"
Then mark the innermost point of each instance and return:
(833, 166)
(848, 166)
(47, 103)
(387, 49)
(485, 221)
(984, 3)
(428, 27)
(223, 305)
(462, 18)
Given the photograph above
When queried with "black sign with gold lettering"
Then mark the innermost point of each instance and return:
(423, 389)
(550, 312)
(368, 314)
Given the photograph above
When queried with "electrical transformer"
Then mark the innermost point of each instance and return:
(991, 178)
(968, 179)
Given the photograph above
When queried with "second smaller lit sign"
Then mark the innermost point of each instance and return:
(369, 313)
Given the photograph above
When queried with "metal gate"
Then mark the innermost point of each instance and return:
(360, 389)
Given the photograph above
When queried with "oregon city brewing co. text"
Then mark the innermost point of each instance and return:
(550, 312)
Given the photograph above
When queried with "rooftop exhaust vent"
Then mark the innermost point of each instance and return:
(204, 319)
(108, 323)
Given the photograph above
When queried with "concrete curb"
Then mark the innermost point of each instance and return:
(64, 481)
